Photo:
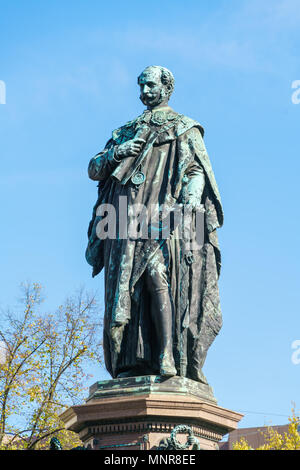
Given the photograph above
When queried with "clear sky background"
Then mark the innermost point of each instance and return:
(70, 69)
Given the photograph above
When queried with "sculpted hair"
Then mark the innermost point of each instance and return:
(167, 78)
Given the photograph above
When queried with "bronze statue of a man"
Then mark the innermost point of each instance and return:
(162, 309)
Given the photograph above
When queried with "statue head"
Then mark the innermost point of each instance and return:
(157, 85)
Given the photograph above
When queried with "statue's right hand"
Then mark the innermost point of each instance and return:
(131, 148)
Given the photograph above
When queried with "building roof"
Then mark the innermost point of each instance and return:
(254, 436)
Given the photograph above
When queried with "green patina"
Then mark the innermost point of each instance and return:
(162, 309)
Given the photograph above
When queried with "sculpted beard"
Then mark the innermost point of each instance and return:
(146, 100)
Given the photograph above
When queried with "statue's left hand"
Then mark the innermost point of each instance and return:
(192, 202)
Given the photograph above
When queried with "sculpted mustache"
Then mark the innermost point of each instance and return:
(147, 96)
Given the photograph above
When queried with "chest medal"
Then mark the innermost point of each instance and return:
(138, 178)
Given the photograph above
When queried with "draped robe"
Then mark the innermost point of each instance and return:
(175, 158)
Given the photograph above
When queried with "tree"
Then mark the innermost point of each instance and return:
(43, 369)
(274, 440)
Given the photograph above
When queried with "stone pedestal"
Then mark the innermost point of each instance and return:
(137, 413)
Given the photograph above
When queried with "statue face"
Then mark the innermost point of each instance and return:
(153, 91)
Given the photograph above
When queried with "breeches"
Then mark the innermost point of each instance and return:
(157, 272)
(161, 307)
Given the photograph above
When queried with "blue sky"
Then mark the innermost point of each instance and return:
(70, 71)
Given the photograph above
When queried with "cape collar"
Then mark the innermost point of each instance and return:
(158, 117)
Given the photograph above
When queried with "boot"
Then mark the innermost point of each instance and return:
(167, 364)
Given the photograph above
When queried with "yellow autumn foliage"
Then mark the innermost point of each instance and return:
(43, 370)
(274, 440)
